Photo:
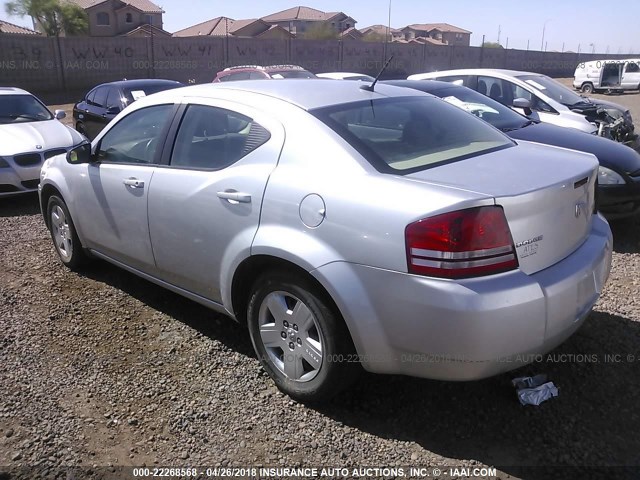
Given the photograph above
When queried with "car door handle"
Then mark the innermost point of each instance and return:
(133, 183)
(235, 197)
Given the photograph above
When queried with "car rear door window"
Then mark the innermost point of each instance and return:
(212, 138)
(100, 97)
(136, 137)
(113, 99)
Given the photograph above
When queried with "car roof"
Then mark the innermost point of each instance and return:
(485, 71)
(304, 93)
(422, 85)
(140, 82)
(13, 91)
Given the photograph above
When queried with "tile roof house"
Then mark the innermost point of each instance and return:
(381, 31)
(443, 33)
(110, 18)
(298, 20)
(12, 29)
(224, 26)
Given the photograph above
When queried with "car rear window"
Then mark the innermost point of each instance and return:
(291, 74)
(408, 134)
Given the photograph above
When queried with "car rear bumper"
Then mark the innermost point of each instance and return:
(619, 201)
(467, 329)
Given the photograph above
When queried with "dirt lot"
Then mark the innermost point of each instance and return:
(101, 368)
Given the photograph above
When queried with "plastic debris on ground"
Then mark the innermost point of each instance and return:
(534, 390)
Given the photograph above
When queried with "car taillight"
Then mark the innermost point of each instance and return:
(465, 243)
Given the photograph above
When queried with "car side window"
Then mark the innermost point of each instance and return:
(136, 137)
(213, 138)
(91, 96)
(100, 97)
(632, 67)
(113, 99)
(464, 80)
(492, 87)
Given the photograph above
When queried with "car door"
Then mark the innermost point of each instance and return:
(631, 76)
(112, 192)
(205, 203)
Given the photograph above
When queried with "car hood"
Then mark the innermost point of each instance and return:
(610, 154)
(24, 137)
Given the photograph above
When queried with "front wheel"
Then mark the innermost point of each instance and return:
(587, 88)
(301, 341)
(63, 233)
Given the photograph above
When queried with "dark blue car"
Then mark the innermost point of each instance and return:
(619, 173)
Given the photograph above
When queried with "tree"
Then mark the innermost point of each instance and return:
(375, 37)
(491, 45)
(321, 31)
(55, 17)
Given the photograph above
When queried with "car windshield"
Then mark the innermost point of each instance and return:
(482, 106)
(407, 134)
(22, 108)
(291, 74)
(134, 93)
(552, 89)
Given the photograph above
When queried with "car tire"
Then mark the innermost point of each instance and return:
(300, 338)
(587, 88)
(63, 233)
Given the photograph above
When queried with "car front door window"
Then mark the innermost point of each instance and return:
(135, 138)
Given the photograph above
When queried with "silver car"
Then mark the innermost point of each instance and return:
(346, 226)
(29, 134)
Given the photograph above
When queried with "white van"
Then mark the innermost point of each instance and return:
(607, 75)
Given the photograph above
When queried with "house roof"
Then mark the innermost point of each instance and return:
(219, 27)
(148, 29)
(351, 32)
(301, 13)
(6, 27)
(430, 40)
(275, 27)
(145, 6)
(443, 27)
(380, 29)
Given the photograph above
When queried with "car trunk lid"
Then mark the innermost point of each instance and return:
(547, 194)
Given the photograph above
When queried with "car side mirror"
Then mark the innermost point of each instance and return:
(524, 104)
(59, 114)
(80, 154)
(113, 110)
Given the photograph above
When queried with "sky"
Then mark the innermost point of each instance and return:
(590, 24)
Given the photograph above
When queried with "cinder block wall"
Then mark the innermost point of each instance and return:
(60, 66)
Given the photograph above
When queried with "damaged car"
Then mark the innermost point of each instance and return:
(542, 98)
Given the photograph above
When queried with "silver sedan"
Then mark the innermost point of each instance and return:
(346, 226)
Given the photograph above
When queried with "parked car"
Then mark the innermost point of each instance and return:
(544, 99)
(105, 101)
(608, 75)
(346, 76)
(29, 134)
(258, 72)
(347, 227)
(619, 172)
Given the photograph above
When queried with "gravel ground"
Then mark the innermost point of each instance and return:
(101, 368)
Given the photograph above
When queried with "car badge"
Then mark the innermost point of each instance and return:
(39, 147)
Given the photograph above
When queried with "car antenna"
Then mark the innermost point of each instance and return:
(369, 88)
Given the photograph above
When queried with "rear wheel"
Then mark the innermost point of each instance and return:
(63, 233)
(301, 341)
(587, 88)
